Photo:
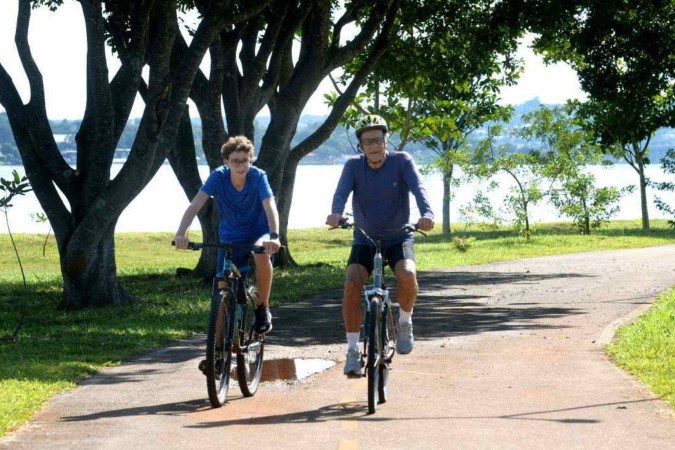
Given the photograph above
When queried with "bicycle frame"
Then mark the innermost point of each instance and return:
(236, 287)
(379, 332)
(231, 330)
(379, 293)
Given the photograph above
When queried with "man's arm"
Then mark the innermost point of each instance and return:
(198, 201)
(344, 188)
(414, 182)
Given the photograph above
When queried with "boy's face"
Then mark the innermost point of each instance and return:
(239, 163)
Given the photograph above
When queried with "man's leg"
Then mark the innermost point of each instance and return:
(351, 300)
(352, 315)
(406, 293)
(406, 284)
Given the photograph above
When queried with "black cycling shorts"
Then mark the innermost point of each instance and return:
(364, 254)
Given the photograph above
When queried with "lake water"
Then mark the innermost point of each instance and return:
(161, 204)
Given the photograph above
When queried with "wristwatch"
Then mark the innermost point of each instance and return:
(274, 235)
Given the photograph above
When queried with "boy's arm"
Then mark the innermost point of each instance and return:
(270, 207)
(180, 239)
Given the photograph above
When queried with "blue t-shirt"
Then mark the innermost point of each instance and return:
(380, 199)
(242, 216)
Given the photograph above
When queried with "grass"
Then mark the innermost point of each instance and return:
(646, 348)
(55, 349)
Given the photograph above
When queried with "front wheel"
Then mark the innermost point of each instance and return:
(388, 339)
(373, 361)
(252, 345)
(218, 353)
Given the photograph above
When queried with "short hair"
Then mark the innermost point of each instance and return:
(237, 144)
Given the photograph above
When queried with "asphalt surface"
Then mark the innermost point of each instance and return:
(507, 356)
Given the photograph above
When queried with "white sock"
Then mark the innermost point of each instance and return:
(404, 316)
(353, 341)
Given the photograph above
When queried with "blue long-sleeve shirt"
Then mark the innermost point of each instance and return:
(380, 199)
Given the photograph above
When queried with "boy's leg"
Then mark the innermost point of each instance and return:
(263, 273)
(263, 277)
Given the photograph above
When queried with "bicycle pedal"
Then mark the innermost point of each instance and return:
(202, 366)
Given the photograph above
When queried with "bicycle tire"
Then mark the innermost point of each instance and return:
(218, 354)
(388, 346)
(252, 345)
(372, 362)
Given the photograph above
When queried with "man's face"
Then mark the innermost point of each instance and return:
(373, 144)
(239, 162)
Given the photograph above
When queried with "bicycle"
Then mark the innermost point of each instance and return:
(230, 331)
(379, 343)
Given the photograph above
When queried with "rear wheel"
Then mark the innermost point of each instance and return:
(218, 354)
(252, 344)
(373, 360)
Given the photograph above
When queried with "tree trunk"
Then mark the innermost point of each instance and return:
(90, 277)
(284, 200)
(639, 159)
(587, 216)
(447, 198)
(527, 220)
(184, 164)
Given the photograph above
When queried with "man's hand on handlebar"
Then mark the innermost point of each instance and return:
(333, 220)
(425, 224)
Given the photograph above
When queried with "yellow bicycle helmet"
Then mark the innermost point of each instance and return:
(370, 122)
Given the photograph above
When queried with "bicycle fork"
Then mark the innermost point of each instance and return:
(379, 298)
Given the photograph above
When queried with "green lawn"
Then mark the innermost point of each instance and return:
(55, 349)
(646, 347)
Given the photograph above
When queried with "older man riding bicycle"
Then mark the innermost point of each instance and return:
(380, 183)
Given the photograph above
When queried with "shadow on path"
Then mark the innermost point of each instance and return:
(439, 313)
(359, 410)
(347, 411)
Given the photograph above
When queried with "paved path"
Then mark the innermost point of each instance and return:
(508, 355)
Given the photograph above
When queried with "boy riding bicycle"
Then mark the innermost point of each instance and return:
(380, 183)
(248, 215)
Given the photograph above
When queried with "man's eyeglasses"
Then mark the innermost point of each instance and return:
(240, 162)
(372, 142)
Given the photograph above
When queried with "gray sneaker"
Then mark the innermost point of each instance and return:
(404, 338)
(353, 364)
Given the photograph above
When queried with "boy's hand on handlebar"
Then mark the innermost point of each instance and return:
(425, 224)
(333, 220)
(272, 246)
(181, 242)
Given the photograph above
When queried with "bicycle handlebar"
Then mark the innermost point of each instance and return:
(408, 228)
(200, 245)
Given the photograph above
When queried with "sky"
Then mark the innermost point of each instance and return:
(59, 47)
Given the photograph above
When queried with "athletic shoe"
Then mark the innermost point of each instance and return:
(263, 320)
(404, 338)
(353, 364)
